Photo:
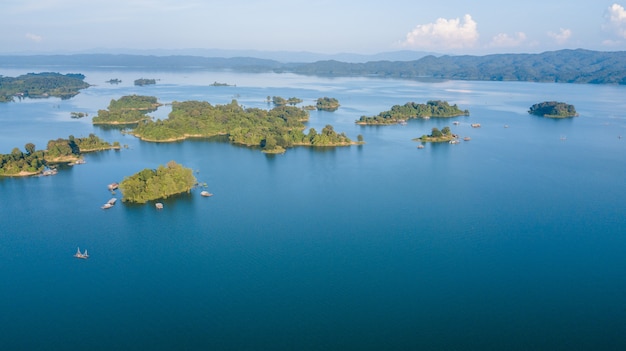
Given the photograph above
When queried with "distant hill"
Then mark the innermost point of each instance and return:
(563, 66)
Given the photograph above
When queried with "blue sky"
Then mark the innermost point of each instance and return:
(322, 26)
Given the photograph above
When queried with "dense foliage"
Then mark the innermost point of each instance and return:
(280, 101)
(411, 110)
(327, 104)
(36, 85)
(34, 161)
(563, 66)
(128, 109)
(152, 184)
(436, 135)
(553, 109)
(72, 146)
(273, 130)
(144, 81)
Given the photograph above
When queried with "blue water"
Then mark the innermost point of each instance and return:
(514, 240)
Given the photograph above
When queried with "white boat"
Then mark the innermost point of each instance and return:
(78, 254)
(205, 193)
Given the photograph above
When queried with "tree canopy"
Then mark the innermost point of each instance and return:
(128, 109)
(327, 104)
(553, 109)
(410, 110)
(41, 85)
(151, 184)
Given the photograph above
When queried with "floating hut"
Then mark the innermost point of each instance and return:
(420, 146)
(467, 138)
(475, 125)
(159, 206)
(113, 186)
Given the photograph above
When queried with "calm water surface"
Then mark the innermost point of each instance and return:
(514, 240)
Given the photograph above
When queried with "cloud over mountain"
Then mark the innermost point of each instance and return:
(443, 34)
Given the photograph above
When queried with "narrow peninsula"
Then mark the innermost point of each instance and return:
(411, 110)
(34, 162)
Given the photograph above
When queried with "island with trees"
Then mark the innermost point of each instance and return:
(144, 81)
(280, 101)
(272, 130)
(553, 109)
(411, 110)
(160, 183)
(130, 109)
(33, 161)
(438, 136)
(327, 104)
(41, 85)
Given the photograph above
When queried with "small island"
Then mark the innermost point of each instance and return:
(218, 84)
(34, 162)
(144, 81)
(130, 109)
(411, 110)
(280, 101)
(160, 183)
(327, 104)
(41, 85)
(114, 81)
(438, 136)
(553, 109)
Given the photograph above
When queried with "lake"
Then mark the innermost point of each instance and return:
(514, 240)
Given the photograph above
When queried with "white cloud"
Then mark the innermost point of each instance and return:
(616, 20)
(443, 34)
(34, 37)
(503, 40)
(562, 36)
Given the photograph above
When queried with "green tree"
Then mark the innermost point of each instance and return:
(436, 133)
(30, 148)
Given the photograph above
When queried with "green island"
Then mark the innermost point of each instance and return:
(114, 81)
(218, 84)
(438, 136)
(410, 110)
(144, 81)
(327, 104)
(280, 101)
(153, 184)
(553, 109)
(41, 85)
(272, 130)
(33, 162)
(130, 109)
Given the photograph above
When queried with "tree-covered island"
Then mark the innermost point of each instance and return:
(41, 85)
(160, 183)
(553, 109)
(281, 101)
(272, 130)
(144, 81)
(130, 109)
(327, 104)
(411, 110)
(32, 161)
(438, 136)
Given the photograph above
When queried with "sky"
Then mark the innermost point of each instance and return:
(474, 27)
